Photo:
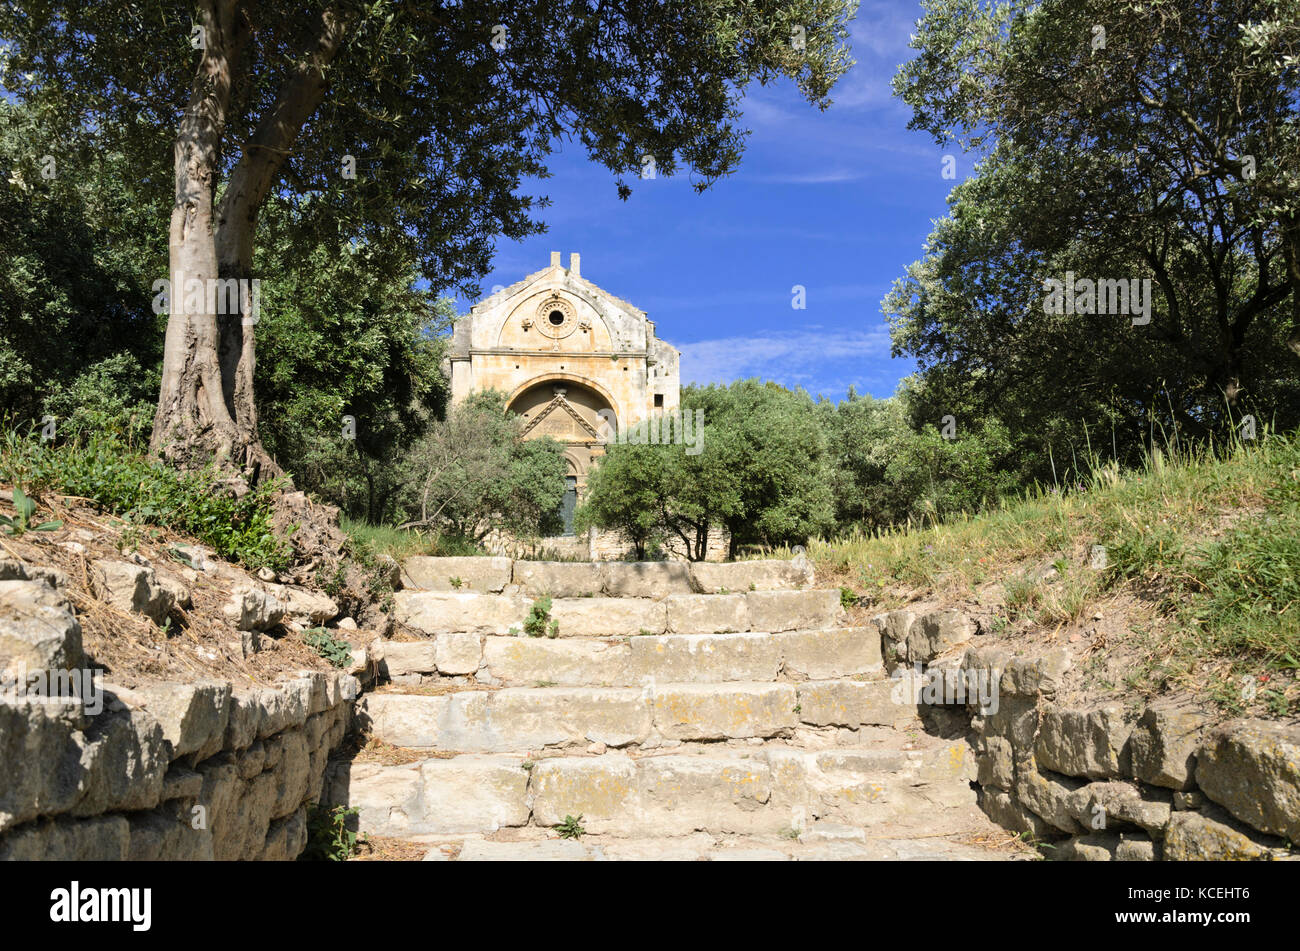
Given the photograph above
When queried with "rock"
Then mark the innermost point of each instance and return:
(11, 569)
(103, 839)
(346, 624)
(193, 716)
(1049, 798)
(180, 594)
(1089, 743)
(993, 758)
(427, 573)
(1193, 836)
(646, 579)
(125, 759)
(934, 633)
(437, 612)
(467, 794)
(38, 631)
(253, 608)
(559, 579)
(707, 613)
(775, 611)
(1136, 849)
(894, 628)
(458, 654)
(45, 732)
(1035, 676)
(132, 588)
(597, 617)
(1253, 770)
(1102, 805)
(306, 607)
(398, 658)
(853, 704)
(739, 576)
(266, 575)
(1163, 745)
(1095, 847)
(830, 653)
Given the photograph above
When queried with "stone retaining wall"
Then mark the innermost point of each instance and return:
(206, 770)
(1105, 781)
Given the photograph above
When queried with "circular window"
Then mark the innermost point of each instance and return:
(555, 317)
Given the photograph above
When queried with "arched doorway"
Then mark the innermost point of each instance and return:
(575, 415)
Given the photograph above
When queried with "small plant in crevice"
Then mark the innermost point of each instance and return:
(335, 650)
(328, 837)
(847, 597)
(539, 623)
(456, 582)
(571, 827)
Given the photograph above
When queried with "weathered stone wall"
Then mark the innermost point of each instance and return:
(205, 770)
(1106, 781)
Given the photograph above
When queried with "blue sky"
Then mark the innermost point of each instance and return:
(837, 201)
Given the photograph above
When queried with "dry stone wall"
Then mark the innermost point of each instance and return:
(206, 770)
(1105, 781)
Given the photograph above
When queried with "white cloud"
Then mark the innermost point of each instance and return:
(814, 358)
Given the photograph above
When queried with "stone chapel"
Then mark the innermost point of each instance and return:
(573, 360)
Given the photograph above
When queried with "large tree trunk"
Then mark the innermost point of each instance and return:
(206, 407)
(194, 424)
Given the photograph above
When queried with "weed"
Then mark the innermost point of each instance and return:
(337, 652)
(24, 509)
(539, 623)
(328, 837)
(571, 827)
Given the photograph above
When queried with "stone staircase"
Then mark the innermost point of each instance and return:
(708, 711)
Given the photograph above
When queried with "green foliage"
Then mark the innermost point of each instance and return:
(24, 509)
(372, 354)
(472, 473)
(571, 827)
(328, 837)
(847, 597)
(78, 340)
(1166, 183)
(539, 623)
(122, 482)
(334, 649)
(761, 471)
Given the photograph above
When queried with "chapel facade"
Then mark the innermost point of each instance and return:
(576, 362)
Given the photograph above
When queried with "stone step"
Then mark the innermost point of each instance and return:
(824, 654)
(821, 842)
(561, 579)
(535, 718)
(766, 791)
(437, 612)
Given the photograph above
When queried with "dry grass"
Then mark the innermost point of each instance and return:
(195, 644)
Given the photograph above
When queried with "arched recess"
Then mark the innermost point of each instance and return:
(580, 392)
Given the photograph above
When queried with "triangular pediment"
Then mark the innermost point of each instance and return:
(559, 420)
